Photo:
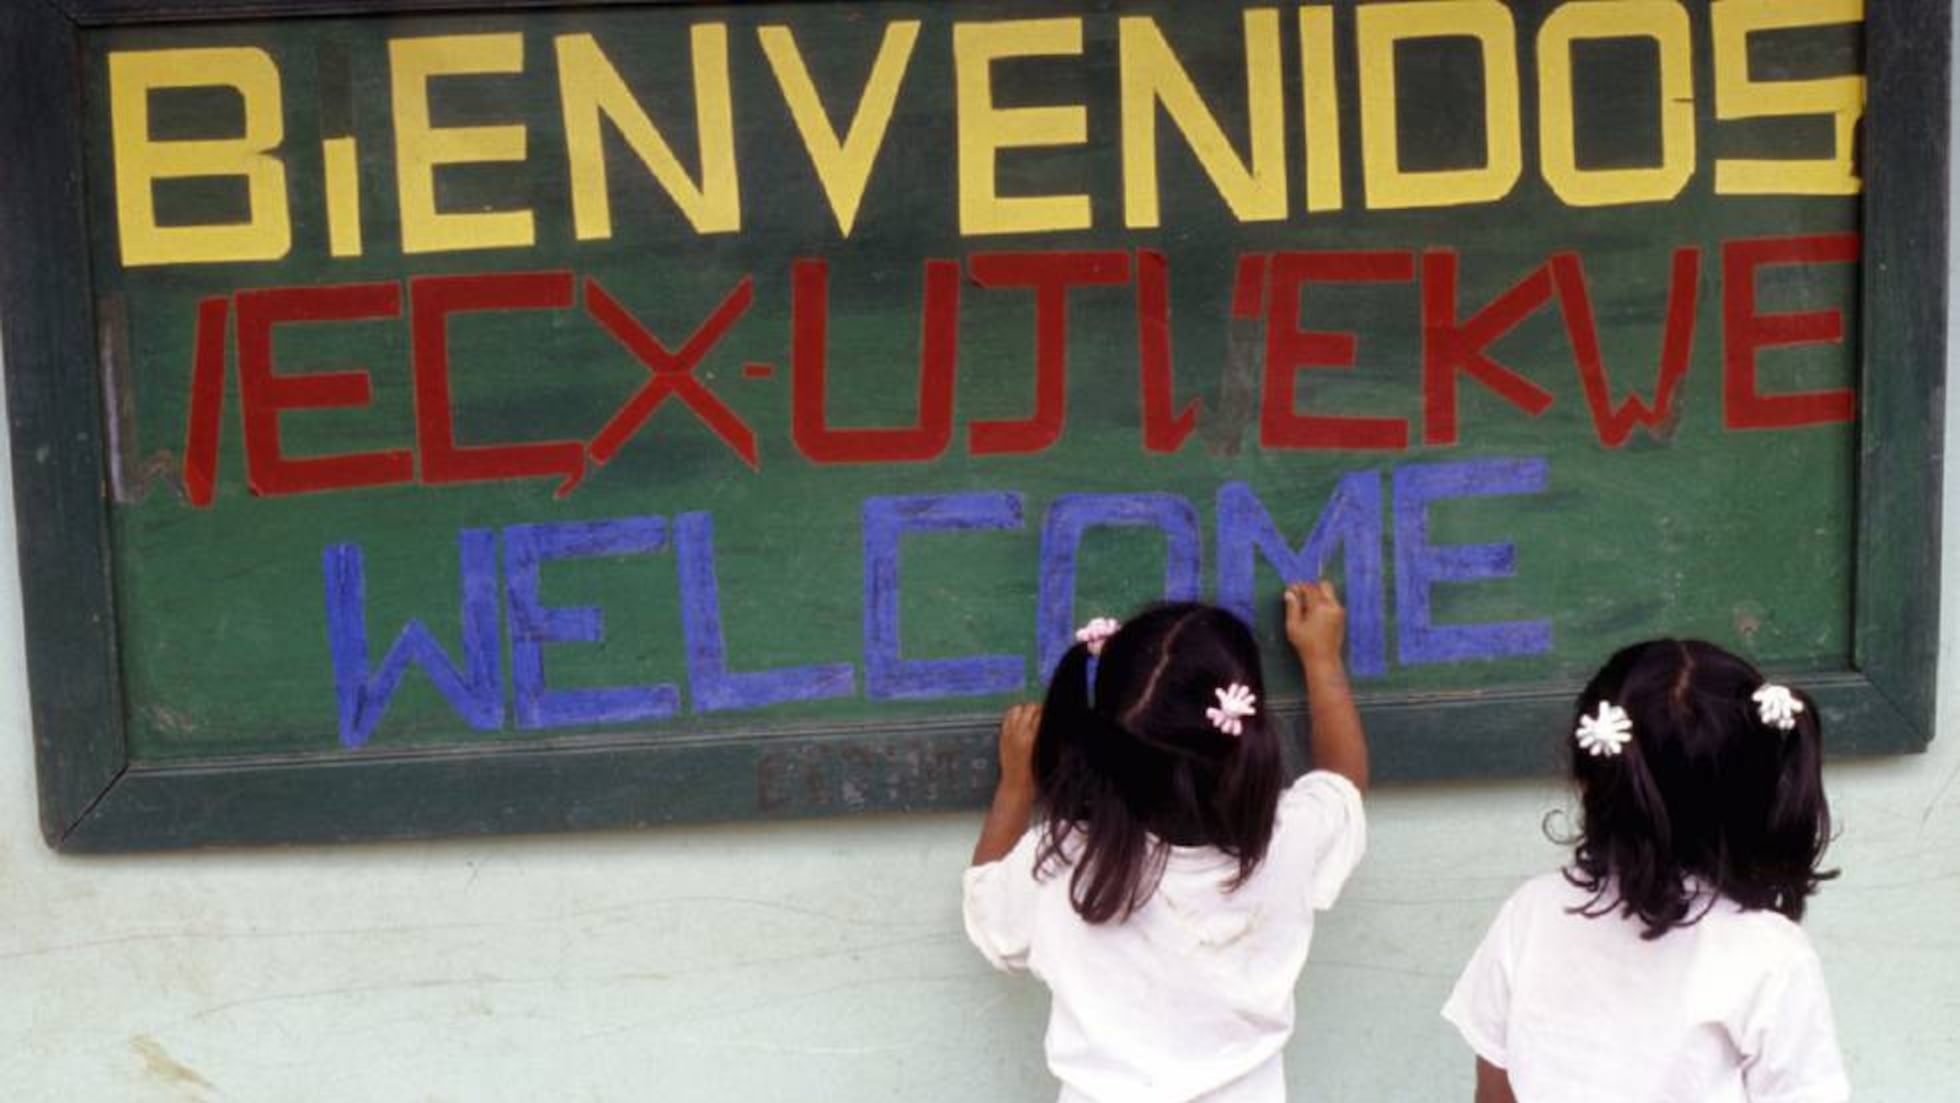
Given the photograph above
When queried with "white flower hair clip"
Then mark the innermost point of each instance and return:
(1776, 706)
(1235, 704)
(1097, 632)
(1606, 732)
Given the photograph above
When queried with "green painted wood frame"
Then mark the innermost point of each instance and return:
(94, 798)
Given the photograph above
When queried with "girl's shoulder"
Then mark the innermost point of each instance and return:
(1320, 832)
(1771, 937)
(1319, 804)
(1722, 927)
(1319, 790)
(1544, 896)
(1544, 892)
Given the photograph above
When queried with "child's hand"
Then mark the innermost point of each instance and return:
(1014, 798)
(1316, 626)
(1316, 622)
(1017, 732)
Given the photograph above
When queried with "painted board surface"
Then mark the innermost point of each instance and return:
(780, 385)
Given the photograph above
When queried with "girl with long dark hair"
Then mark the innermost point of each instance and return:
(1665, 962)
(1167, 895)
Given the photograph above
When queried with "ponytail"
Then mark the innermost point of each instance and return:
(1799, 823)
(1626, 857)
(1065, 712)
(1081, 757)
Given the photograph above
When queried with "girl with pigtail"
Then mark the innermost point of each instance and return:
(1665, 963)
(1167, 895)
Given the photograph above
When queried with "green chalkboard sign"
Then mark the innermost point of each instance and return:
(446, 417)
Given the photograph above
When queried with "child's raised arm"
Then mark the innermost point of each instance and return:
(1007, 817)
(1316, 626)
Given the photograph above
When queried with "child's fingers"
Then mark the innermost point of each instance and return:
(1021, 720)
(1302, 597)
(1017, 736)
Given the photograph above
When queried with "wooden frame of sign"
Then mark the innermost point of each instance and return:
(97, 795)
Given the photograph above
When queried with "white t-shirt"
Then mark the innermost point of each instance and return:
(1731, 1009)
(1191, 997)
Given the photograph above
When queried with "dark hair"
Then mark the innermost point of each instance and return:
(1138, 767)
(1703, 789)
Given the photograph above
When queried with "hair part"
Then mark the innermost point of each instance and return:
(1136, 768)
(1705, 801)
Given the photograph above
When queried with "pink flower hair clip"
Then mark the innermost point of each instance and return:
(1096, 633)
(1235, 704)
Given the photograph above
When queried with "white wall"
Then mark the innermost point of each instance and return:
(818, 961)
